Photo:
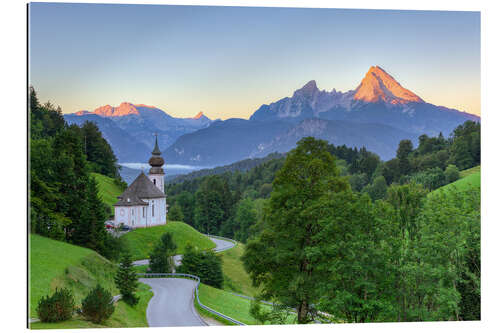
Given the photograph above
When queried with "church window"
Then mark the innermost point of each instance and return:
(154, 181)
(153, 209)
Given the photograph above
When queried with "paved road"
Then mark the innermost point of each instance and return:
(220, 245)
(172, 303)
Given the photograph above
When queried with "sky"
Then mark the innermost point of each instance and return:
(228, 61)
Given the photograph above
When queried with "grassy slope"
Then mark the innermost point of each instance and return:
(107, 189)
(142, 241)
(58, 264)
(124, 315)
(236, 279)
(473, 180)
(233, 306)
(470, 171)
(230, 305)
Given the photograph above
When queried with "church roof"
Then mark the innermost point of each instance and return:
(141, 188)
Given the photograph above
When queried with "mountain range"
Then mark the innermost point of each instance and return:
(377, 114)
(129, 128)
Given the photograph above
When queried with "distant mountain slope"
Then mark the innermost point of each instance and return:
(379, 98)
(223, 142)
(124, 145)
(379, 138)
(138, 122)
(242, 166)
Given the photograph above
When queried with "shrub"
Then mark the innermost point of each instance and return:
(58, 307)
(161, 260)
(98, 306)
(206, 265)
(451, 173)
(175, 213)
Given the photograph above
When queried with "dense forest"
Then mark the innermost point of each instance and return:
(321, 247)
(336, 230)
(63, 196)
(230, 203)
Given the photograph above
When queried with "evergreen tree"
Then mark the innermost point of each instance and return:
(206, 265)
(404, 149)
(175, 213)
(161, 260)
(126, 280)
(98, 305)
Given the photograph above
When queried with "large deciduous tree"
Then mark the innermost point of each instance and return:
(282, 258)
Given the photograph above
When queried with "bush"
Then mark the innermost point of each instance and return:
(58, 307)
(175, 213)
(451, 173)
(206, 265)
(98, 306)
(430, 179)
(161, 260)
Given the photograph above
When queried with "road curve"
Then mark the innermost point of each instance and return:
(172, 303)
(220, 245)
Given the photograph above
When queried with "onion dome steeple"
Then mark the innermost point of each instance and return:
(156, 161)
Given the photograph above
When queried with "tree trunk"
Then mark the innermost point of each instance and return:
(302, 312)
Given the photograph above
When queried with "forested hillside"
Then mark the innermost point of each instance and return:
(63, 196)
(322, 246)
(230, 202)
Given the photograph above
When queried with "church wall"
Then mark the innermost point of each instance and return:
(158, 180)
(130, 216)
(159, 211)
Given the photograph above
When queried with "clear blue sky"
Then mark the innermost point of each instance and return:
(227, 61)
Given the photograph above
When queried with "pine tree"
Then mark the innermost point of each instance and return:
(126, 280)
(161, 260)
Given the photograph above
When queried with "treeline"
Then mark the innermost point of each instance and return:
(320, 246)
(230, 203)
(241, 166)
(434, 163)
(63, 196)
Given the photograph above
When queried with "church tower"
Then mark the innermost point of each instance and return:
(156, 174)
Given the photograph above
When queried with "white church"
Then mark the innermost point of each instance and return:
(143, 203)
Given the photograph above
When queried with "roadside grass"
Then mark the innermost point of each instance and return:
(62, 265)
(472, 180)
(205, 314)
(108, 190)
(123, 316)
(231, 305)
(141, 268)
(142, 241)
(467, 172)
(236, 279)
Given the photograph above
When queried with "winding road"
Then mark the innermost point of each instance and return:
(172, 303)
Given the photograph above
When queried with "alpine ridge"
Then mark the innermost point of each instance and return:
(129, 127)
(378, 86)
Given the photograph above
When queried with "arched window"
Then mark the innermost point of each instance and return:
(153, 209)
(154, 181)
